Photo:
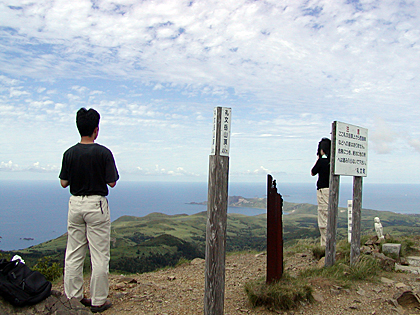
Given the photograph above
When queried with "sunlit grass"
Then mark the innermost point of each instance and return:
(285, 294)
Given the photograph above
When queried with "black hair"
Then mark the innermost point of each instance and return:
(324, 145)
(87, 121)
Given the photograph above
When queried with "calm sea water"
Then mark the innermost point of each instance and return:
(33, 212)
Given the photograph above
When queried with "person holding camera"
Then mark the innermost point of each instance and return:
(322, 168)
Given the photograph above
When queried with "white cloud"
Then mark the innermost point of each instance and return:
(158, 87)
(156, 69)
(180, 171)
(16, 92)
(50, 92)
(208, 45)
(41, 104)
(37, 167)
(80, 89)
(382, 137)
(96, 92)
(9, 166)
(60, 106)
(73, 98)
(158, 171)
(8, 81)
(415, 143)
(259, 171)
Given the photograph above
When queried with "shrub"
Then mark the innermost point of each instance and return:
(299, 246)
(344, 248)
(407, 247)
(318, 252)
(365, 268)
(51, 270)
(5, 256)
(182, 261)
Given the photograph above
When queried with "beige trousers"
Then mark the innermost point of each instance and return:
(89, 225)
(323, 195)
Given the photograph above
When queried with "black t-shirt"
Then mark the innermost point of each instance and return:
(88, 168)
(322, 167)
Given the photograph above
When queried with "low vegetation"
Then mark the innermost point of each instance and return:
(51, 270)
(285, 294)
(366, 268)
(291, 291)
(142, 244)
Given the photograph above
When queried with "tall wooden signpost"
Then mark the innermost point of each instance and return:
(217, 213)
(349, 150)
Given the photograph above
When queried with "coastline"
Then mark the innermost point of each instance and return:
(38, 210)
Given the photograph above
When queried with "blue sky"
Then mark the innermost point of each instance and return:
(156, 69)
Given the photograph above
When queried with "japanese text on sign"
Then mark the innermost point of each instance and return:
(224, 136)
(351, 150)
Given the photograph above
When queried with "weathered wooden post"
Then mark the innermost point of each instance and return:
(332, 204)
(349, 149)
(274, 232)
(217, 213)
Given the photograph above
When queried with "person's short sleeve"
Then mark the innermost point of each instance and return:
(64, 172)
(111, 172)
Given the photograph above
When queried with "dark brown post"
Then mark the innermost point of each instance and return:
(274, 232)
(217, 220)
(356, 219)
(330, 247)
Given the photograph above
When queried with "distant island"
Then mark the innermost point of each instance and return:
(27, 238)
(203, 203)
(239, 201)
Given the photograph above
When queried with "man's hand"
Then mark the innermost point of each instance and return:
(64, 183)
(112, 185)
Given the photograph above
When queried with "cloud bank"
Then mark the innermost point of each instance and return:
(156, 69)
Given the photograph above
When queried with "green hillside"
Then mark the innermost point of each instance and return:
(141, 244)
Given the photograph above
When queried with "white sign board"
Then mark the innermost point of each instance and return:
(351, 150)
(224, 131)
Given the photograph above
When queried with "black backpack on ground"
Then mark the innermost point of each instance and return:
(22, 286)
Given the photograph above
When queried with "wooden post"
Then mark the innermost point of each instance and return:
(274, 232)
(330, 247)
(217, 218)
(349, 158)
(356, 218)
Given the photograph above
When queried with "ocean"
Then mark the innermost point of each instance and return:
(32, 212)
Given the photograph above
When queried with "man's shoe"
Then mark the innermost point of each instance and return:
(86, 302)
(103, 307)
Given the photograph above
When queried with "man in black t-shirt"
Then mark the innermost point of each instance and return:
(322, 168)
(88, 168)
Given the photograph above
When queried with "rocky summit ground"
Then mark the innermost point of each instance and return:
(180, 290)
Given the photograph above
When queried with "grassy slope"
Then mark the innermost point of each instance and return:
(138, 237)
